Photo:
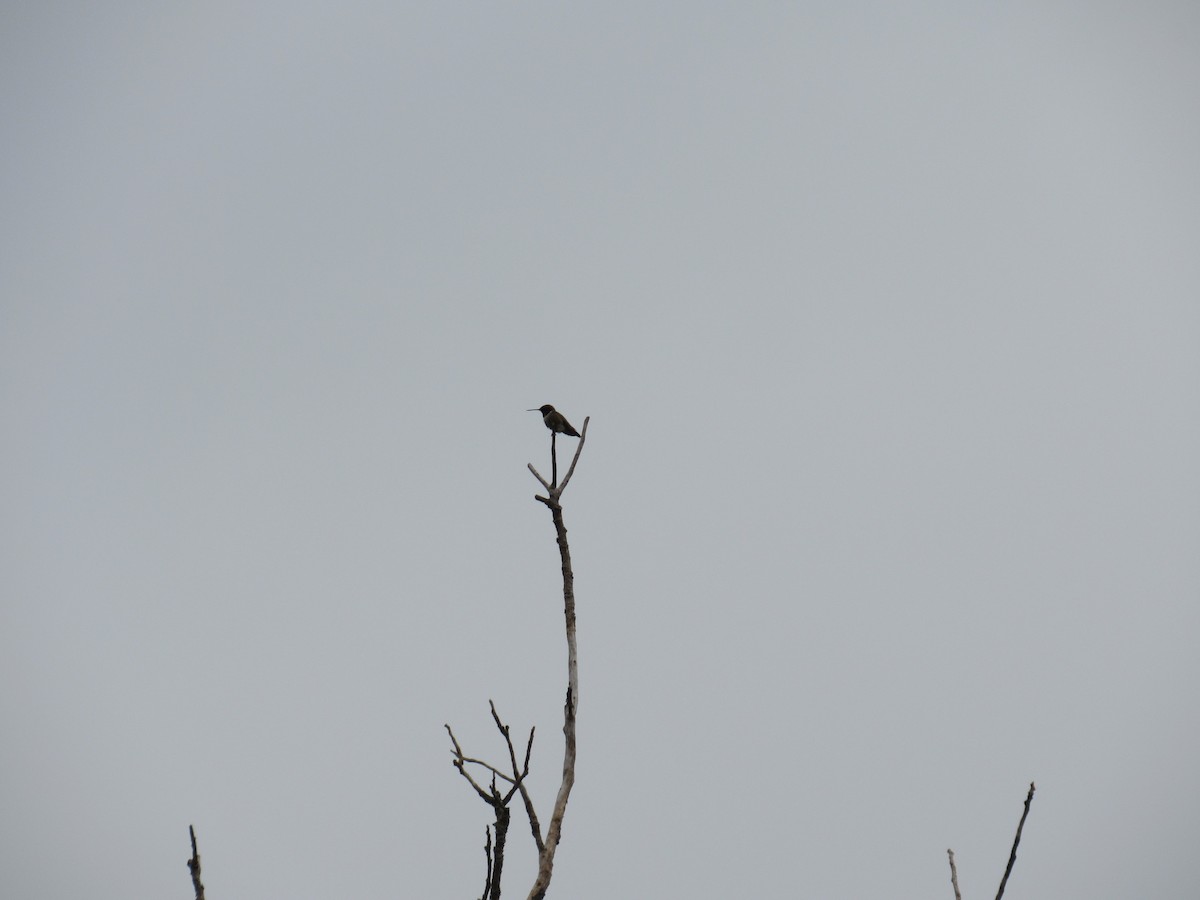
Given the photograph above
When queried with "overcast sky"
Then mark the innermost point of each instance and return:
(887, 319)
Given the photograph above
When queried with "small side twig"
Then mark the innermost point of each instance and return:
(194, 866)
(578, 450)
(1012, 857)
(460, 763)
(487, 852)
(534, 825)
(538, 476)
(954, 875)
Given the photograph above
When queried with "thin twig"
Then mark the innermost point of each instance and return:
(528, 752)
(459, 758)
(575, 458)
(512, 754)
(453, 740)
(460, 762)
(496, 773)
(519, 776)
(534, 825)
(194, 866)
(487, 852)
(954, 875)
(538, 476)
(1012, 857)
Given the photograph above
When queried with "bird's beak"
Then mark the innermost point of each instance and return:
(533, 410)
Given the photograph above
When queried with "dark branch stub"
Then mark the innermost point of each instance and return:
(194, 865)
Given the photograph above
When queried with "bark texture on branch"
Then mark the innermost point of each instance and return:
(954, 876)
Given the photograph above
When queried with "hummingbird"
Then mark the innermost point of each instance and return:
(555, 420)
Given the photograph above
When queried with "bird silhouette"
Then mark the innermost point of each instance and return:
(555, 420)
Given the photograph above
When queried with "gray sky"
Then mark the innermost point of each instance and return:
(886, 318)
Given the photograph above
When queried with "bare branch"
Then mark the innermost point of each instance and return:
(460, 762)
(453, 740)
(194, 866)
(487, 852)
(496, 773)
(1012, 857)
(505, 733)
(534, 825)
(528, 752)
(578, 449)
(459, 758)
(519, 776)
(538, 476)
(954, 875)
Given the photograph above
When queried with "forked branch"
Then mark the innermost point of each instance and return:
(492, 796)
(553, 488)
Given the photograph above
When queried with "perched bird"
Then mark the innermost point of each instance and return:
(555, 420)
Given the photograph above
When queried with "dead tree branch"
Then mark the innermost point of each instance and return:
(1012, 857)
(954, 876)
(487, 852)
(194, 866)
(492, 796)
(534, 825)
